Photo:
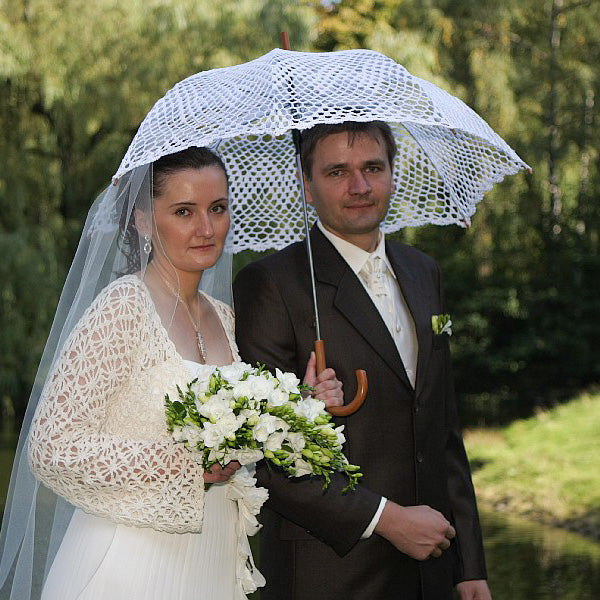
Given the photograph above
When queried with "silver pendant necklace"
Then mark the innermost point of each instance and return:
(199, 337)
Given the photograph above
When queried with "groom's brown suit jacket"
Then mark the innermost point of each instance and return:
(406, 441)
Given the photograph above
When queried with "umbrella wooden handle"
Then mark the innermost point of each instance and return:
(361, 381)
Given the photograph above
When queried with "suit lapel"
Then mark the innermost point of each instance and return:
(353, 302)
(418, 304)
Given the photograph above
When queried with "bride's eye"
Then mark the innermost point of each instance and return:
(183, 212)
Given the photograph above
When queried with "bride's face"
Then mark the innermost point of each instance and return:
(191, 218)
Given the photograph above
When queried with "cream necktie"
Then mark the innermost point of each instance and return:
(390, 303)
(374, 275)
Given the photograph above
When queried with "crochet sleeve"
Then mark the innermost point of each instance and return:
(134, 481)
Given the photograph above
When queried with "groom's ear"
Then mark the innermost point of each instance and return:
(307, 193)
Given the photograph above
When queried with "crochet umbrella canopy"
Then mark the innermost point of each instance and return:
(448, 156)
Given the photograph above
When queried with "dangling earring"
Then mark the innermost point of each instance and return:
(147, 245)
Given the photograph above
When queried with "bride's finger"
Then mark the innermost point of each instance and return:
(231, 467)
(213, 478)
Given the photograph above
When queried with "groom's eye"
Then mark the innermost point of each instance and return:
(220, 208)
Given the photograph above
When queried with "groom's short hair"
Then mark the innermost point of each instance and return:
(374, 129)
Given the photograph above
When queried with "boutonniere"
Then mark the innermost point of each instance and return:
(441, 324)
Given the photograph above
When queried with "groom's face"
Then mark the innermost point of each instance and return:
(350, 186)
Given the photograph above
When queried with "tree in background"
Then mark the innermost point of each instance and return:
(523, 282)
(76, 79)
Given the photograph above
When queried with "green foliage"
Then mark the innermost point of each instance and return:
(523, 282)
(543, 466)
(76, 79)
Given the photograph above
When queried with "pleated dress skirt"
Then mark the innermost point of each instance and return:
(99, 560)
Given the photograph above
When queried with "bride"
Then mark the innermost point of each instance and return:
(123, 511)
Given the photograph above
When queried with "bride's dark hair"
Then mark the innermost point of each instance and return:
(190, 158)
(193, 157)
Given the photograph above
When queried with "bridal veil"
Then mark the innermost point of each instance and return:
(35, 519)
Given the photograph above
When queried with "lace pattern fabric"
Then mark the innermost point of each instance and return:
(448, 156)
(99, 436)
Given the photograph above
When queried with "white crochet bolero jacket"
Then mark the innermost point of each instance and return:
(99, 435)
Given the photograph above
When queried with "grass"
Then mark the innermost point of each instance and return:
(546, 467)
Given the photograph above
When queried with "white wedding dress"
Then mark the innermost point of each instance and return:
(145, 528)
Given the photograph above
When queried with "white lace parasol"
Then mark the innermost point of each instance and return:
(448, 157)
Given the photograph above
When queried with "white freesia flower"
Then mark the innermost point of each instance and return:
(250, 415)
(215, 425)
(302, 467)
(242, 389)
(281, 424)
(341, 438)
(447, 328)
(215, 408)
(267, 424)
(228, 424)
(246, 456)
(211, 435)
(178, 434)
(234, 372)
(441, 324)
(203, 375)
(288, 382)
(309, 408)
(278, 398)
(192, 433)
(218, 455)
(274, 441)
(261, 387)
(297, 441)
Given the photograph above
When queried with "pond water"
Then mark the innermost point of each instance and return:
(526, 561)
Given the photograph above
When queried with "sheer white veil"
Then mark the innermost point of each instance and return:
(35, 519)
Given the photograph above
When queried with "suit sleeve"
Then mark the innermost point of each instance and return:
(265, 333)
(460, 487)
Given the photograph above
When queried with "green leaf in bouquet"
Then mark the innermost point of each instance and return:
(179, 410)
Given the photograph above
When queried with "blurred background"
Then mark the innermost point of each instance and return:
(77, 78)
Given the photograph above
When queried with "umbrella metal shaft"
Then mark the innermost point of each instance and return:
(311, 267)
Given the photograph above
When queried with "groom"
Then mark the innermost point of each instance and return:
(410, 530)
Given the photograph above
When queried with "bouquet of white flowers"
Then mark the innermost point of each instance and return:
(244, 413)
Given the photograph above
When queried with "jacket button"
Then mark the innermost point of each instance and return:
(419, 457)
(417, 407)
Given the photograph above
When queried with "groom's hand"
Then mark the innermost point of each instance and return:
(418, 531)
(476, 589)
(326, 385)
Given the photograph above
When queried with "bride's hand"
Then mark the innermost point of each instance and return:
(326, 385)
(219, 474)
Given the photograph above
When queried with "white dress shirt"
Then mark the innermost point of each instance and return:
(391, 305)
